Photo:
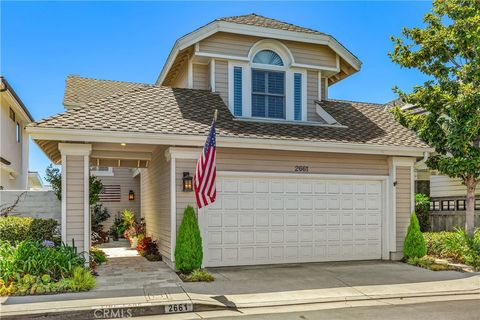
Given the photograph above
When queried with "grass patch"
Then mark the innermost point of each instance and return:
(198, 275)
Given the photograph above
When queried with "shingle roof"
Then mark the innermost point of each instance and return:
(165, 110)
(80, 90)
(261, 21)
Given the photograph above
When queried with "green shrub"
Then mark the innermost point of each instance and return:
(188, 251)
(436, 245)
(97, 255)
(197, 276)
(117, 228)
(99, 215)
(24, 228)
(82, 279)
(33, 258)
(467, 246)
(414, 244)
(129, 219)
(457, 246)
(422, 207)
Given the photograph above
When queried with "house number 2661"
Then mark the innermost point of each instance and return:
(301, 168)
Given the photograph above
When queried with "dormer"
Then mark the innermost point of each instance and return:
(264, 69)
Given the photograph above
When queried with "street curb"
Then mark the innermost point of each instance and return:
(149, 308)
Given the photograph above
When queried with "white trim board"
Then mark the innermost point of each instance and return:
(80, 135)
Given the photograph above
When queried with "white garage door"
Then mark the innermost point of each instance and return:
(283, 219)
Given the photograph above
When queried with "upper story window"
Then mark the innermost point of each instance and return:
(268, 94)
(18, 132)
(268, 57)
(268, 86)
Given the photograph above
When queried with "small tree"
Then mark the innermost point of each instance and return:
(447, 51)
(54, 177)
(188, 250)
(414, 244)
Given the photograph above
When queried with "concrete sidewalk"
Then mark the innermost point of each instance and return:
(248, 288)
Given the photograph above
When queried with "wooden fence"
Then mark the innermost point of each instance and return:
(447, 220)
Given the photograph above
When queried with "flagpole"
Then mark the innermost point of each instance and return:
(215, 115)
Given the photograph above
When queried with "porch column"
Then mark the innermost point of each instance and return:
(75, 194)
(402, 201)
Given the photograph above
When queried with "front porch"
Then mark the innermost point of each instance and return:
(160, 182)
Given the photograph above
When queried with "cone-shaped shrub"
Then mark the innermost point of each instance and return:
(188, 251)
(414, 244)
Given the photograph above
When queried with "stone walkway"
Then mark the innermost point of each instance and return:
(126, 269)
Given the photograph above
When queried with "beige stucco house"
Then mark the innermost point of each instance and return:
(301, 177)
(13, 139)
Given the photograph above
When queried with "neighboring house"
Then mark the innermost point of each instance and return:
(35, 181)
(13, 139)
(300, 177)
(447, 194)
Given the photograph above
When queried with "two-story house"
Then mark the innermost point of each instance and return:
(13, 139)
(300, 177)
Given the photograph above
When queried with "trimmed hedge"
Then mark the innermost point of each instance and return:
(13, 229)
(414, 244)
(188, 251)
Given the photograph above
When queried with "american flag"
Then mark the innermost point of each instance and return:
(206, 172)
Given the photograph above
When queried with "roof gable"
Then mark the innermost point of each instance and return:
(255, 25)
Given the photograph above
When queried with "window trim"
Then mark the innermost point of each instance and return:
(247, 95)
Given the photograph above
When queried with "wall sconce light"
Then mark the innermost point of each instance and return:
(187, 182)
(131, 195)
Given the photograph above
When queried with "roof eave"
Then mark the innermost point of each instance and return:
(222, 26)
(81, 135)
(9, 88)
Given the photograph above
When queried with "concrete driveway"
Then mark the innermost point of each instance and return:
(292, 277)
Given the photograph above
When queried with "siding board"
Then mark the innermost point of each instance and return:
(240, 45)
(201, 76)
(75, 200)
(403, 202)
(155, 200)
(221, 79)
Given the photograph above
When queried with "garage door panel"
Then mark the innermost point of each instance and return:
(246, 219)
(246, 236)
(277, 236)
(262, 203)
(247, 202)
(262, 236)
(263, 220)
(306, 203)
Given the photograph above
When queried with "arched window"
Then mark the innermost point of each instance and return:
(268, 57)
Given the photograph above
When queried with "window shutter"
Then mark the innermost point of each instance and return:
(297, 96)
(237, 91)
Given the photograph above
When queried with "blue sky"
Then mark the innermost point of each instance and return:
(43, 42)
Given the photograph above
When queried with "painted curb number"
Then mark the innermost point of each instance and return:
(179, 307)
